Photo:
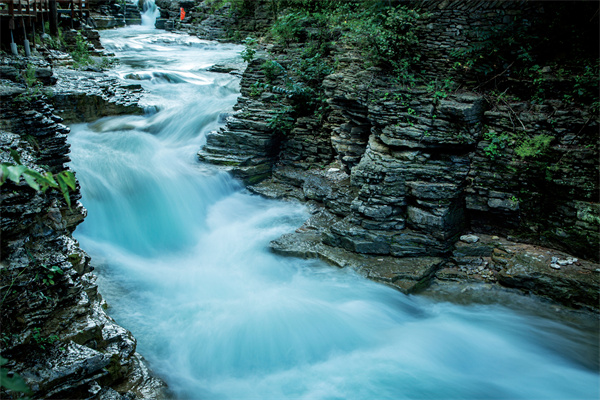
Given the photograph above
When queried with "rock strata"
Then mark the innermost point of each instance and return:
(56, 334)
(81, 96)
(417, 168)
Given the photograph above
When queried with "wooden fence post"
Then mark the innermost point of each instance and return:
(53, 18)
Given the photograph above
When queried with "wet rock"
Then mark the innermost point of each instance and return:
(422, 170)
(407, 274)
(56, 334)
(234, 69)
(469, 238)
(83, 96)
(532, 268)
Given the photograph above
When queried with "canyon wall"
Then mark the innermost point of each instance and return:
(406, 170)
(55, 331)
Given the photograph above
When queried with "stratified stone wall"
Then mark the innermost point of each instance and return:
(55, 332)
(414, 170)
(551, 199)
(455, 25)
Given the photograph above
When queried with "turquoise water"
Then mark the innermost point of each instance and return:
(181, 253)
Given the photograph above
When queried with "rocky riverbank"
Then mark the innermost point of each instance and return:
(57, 338)
(408, 185)
(415, 182)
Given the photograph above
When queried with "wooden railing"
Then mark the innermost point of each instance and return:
(31, 8)
(22, 8)
(73, 6)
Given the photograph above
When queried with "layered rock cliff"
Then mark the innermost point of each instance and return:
(56, 335)
(398, 172)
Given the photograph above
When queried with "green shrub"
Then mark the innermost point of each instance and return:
(283, 121)
(250, 49)
(292, 27)
(63, 181)
(81, 54)
(497, 143)
(272, 69)
(534, 147)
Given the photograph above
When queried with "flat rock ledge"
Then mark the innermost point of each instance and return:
(475, 257)
(532, 269)
(405, 274)
(83, 96)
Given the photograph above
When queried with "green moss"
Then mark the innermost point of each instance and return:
(74, 259)
(114, 367)
(258, 178)
(534, 147)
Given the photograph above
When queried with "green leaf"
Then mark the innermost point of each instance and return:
(31, 181)
(56, 269)
(64, 189)
(15, 172)
(69, 179)
(15, 156)
(14, 383)
(44, 180)
(48, 179)
(4, 175)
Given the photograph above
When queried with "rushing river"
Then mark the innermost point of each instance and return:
(181, 251)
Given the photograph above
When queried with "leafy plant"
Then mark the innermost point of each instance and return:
(29, 76)
(535, 146)
(272, 69)
(43, 340)
(12, 382)
(497, 143)
(256, 89)
(440, 89)
(291, 27)
(283, 121)
(31, 82)
(81, 54)
(313, 70)
(545, 54)
(50, 273)
(63, 181)
(250, 49)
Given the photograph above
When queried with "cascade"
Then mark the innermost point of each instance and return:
(150, 12)
(181, 253)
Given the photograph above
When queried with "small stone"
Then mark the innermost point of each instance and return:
(555, 266)
(562, 262)
(469, 238)
(554, 260)
(495, 237)
(333, 170)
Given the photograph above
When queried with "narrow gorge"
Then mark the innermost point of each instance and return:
(286, 199)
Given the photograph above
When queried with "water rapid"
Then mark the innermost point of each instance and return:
(181, 253)
(150, 12)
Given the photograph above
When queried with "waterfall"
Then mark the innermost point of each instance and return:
(150, 12)
(181, 251)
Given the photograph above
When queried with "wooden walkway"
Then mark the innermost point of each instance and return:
(33, 8)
